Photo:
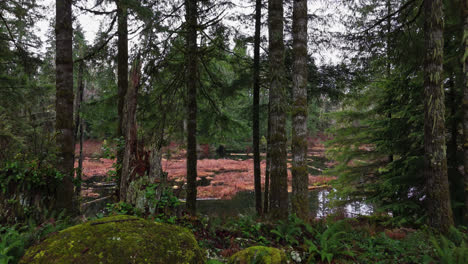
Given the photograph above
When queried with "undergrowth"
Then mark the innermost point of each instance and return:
(14, 240)
(360, 240)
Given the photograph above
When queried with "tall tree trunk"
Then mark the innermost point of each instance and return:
(455, 177)
(435, 164)
(465, 104)
(79, 125)
(300, 175)
(389, 30)
(130, 150)
(78, 98)
(191, 83)
(64, 105)
(278, 173)
(122, 81)
(80, 161)
(256, 110)
(266, 197)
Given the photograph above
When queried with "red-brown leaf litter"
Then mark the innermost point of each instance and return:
(226, 176)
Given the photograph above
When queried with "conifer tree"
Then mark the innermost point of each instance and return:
(300, 176)
(435, 161)
(122, 84)
(256, 110)
(277, 112)
(64, 105)
(191, 85)
(465, 103)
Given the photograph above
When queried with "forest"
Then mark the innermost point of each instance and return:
(229, 131)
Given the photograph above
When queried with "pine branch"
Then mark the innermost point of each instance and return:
(385, 18)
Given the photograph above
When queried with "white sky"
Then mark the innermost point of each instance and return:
(90, 23)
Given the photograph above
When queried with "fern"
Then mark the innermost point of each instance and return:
(287, 232)
(11, 246)
(330, 244)
(448, 253)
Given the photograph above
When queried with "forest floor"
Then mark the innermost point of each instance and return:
(220, 178)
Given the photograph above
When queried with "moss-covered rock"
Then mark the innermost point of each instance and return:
(259, 255)
(118, 239)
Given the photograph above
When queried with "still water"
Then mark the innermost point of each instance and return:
(244, 203)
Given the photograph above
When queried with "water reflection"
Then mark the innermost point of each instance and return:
(320, 206)
(244, 203)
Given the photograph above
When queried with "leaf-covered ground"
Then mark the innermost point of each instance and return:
(225, 177)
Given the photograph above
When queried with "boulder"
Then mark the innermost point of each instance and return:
(118, 239)
(260, 255)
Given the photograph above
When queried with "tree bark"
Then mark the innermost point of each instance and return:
(191, 83)
(130, 150)
(64, 106)
(435, 161)
(266, 197)
(78, 98)
(389, 30)
(278, 173)
(79, 125)
(465, 105)
(80, 161)
(300, 175)
(256, 109)
(122, 82)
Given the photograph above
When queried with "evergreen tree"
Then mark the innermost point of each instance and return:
(277, 112)
(300, 175)
(64, 105)
(256, 110)
(122, 75)
(435, 163)
(191, 84)
(464, 50)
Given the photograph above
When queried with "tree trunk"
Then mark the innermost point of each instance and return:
(435, 163)
(278, 172)
(78, 98)
(130, 151)
(80, 161)
(266, 197)
(122, 82)
(300, 175)
(256, 110)
(191, 83)
(79, 125)
(389, 30)
(465, 104)
(455, 178)
(64, 106)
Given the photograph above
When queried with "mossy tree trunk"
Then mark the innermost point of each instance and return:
(122, 80)
(130, 150)
(300, 175)
(65, 198)
(278, 168)
(465, 104)
(256, 109)
(435, 161)
(191, 84)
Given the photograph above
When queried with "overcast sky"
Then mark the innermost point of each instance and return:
(90, 23)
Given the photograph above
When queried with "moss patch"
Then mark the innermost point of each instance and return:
(118, 239)
(259, 255)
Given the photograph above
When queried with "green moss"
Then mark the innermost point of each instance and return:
(259, 255)
(118, 239)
